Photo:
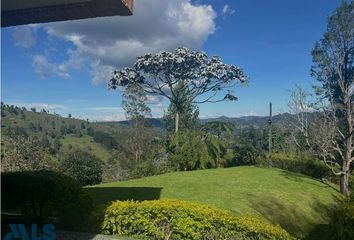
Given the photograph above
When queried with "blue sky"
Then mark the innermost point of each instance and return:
(64, 67)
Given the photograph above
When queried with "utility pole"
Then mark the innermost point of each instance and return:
(270, 135)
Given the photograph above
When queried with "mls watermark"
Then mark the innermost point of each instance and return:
(20, 232)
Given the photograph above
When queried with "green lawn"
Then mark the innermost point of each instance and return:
(296, 202)
(86, 143)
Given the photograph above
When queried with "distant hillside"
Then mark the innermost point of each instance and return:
(14, 116)
(60, 133)
(24, 133)
(257, 121)
(156, 122)
(245, 121)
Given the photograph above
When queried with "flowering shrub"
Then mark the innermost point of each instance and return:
(176, 219)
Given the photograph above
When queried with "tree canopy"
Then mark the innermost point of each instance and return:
(192, 73)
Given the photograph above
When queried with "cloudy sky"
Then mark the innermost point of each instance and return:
(64, 67)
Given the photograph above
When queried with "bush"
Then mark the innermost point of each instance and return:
(188, 151)
(300, 164)
(104, 138)
(341, 225)
(195, 150)
(247, 155)
(45, 197)
(82, 166)
(156, 166)
(175, 219)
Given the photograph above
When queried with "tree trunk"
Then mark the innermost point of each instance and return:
(136, 156)
(344, 183)
(136, 142)
(177, 122)
(344, 180)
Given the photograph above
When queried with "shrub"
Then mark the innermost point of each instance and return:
(341, 225)
(247, 155)
(158, 165)
(189, 151)
(105, 139)
(176, 219)
(82, 166)
(45, 197)
(301, 164)
(195, 150)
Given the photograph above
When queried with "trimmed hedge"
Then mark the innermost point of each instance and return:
(300, 164)
(177, 219)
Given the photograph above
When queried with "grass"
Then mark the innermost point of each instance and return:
(294, 201)
(86, 143)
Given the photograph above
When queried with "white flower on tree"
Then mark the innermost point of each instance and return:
(166, 72)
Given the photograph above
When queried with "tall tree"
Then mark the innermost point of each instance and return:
(333, 67)
(134, 103)
(136, 109)
(201, 77)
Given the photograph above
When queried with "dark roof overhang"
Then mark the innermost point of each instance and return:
(19, 12)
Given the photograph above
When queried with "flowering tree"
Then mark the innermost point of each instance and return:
(166, 73)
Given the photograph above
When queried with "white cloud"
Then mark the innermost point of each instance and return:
(158, 111)
(227, 11)
(44, 68)
(113, 117)
(101, 73)
(155, 100)
(211, 115)
(112, 42)
(107, 109)
(251, 113)
(23, 36)
(41, 66)
(237, 115)
(118, 113)
(40, 106)
(106, 113)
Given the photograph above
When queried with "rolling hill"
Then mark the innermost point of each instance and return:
(70, 132)
(75, 133)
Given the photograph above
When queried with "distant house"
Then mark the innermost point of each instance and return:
(19, 12)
